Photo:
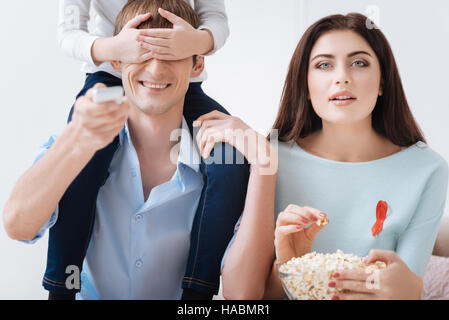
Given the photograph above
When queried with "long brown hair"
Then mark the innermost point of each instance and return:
(391, 116)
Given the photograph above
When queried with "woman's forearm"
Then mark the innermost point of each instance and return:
(273, 288)
(249, 259)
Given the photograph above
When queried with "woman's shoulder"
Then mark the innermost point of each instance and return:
(424, 156)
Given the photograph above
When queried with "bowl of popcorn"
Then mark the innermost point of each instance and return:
(307, 277)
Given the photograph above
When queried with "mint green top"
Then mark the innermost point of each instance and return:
(413, 182)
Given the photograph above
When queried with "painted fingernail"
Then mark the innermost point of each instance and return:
(322, 214)
(335, 275)
(313, 218)
(335, 298)
(299, 227)
(304, 220)
(332, 284)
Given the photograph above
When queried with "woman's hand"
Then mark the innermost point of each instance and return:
(181, 42)
(395, 282)
(291, 239)
(219, 127)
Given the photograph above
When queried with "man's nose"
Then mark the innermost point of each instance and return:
(155, 66)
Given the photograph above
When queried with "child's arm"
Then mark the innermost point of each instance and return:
(76, 41)
(183, 40)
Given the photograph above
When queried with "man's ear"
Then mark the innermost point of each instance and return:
(198, 67)
(116, 65)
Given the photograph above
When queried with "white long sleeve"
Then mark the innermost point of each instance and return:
(75, 38)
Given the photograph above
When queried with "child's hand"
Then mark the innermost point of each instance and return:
(126, 44)
(181, 42)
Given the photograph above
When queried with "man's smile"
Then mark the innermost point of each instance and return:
(154, 86)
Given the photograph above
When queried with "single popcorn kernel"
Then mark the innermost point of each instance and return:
(322, 222)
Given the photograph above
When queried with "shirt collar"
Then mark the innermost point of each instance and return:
(188, 154)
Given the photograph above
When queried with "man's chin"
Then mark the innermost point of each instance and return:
(153, 109)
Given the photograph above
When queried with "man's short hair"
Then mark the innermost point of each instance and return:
(135, 7)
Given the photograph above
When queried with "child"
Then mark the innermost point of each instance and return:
(68, 246)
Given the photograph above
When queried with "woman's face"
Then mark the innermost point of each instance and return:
(343, 78)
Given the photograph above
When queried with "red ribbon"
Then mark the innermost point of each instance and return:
(381, 214)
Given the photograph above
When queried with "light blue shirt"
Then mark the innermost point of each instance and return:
(413, 182)
(138, 248)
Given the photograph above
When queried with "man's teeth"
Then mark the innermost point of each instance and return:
(155, 86)
(343, 98)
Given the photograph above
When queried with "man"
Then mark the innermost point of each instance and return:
(139, 244)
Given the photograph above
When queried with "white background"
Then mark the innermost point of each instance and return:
(38, 85)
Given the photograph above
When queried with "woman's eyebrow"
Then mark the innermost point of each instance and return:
(330, 56)
(357, 52)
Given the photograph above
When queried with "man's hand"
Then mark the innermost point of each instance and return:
(96, 125)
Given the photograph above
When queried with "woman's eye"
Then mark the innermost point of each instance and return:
(323, 65)
(359, 63)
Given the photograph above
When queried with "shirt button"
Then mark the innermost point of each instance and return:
(139, 263)
(138, 217)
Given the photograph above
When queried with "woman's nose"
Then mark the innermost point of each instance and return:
(342, 77)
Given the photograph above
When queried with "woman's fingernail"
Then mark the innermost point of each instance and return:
(335, 275)
(335, 298)
(313, 218)
(322, 214)
(332, 284)
(299, 227)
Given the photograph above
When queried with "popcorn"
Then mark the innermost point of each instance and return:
(307, 277)
(322, 222)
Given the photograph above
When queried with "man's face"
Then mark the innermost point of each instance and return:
(155, 86)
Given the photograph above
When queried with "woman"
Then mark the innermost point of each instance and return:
(351, 151)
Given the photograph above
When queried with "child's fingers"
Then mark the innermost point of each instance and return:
(173, 18)
(156, 33)
(134, 23)
(155, 49)
(155, 41)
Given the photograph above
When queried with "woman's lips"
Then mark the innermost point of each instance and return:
(342, 103)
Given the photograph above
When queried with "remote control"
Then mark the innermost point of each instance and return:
(108, 94)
